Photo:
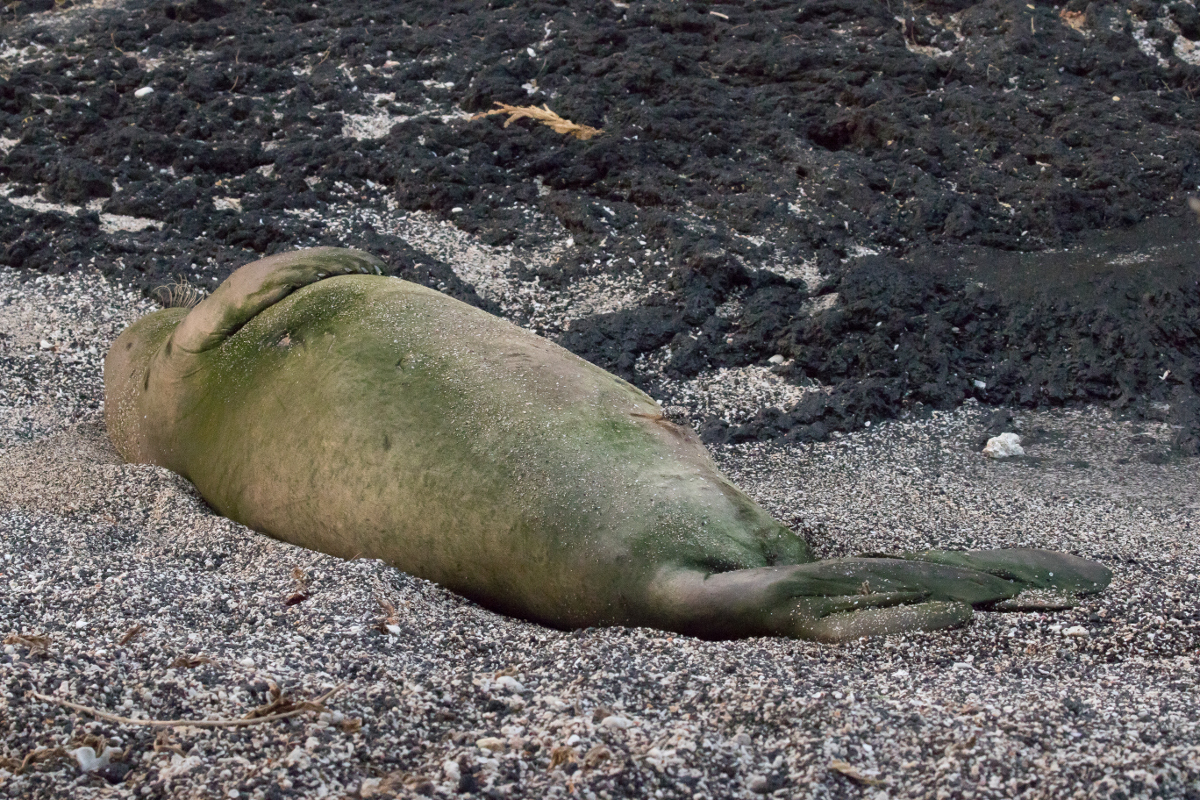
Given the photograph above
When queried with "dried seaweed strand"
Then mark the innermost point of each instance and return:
(33, 758)
(310, 705)
(545, 116)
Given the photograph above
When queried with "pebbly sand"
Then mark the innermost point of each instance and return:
(123, 592)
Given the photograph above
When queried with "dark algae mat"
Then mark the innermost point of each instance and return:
(910, 205)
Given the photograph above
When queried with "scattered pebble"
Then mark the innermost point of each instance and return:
(1006, 445)
(89, 761)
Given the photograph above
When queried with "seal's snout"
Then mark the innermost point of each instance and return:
(128, 415)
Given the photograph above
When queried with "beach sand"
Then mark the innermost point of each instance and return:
(123, 592)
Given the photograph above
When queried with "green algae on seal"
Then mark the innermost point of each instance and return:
(317, 401)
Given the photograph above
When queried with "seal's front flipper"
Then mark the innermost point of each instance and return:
(259, 285)
(1029, 567)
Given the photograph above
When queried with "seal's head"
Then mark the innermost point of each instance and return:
(147, 367)
(128, 379)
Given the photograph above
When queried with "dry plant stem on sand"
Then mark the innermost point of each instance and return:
(853, 773)
(316, 704)
(32, 759)
(545, 116)
(35, 643)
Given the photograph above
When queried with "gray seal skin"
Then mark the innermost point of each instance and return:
(317, 401)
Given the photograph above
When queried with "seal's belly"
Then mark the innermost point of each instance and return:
(367, 416)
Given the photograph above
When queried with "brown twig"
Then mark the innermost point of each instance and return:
(162, 742)
(562, 755)
(301, 592)
(188, 661)
(35, 757)
(392, 616)
(853, 773)
(309, 705)
(130, 634)
(36, 643)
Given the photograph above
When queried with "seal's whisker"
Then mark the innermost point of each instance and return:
(179, 294)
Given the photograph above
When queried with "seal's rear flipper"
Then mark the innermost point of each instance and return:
(847, 625)
(827, 600)
(1027, 566)
(258, 285)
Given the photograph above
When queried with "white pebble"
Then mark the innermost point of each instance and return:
(144, 91)
(510, 684)
(1005, 445)
(88, 761)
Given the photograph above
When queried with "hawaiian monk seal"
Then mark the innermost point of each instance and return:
(313, 399)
